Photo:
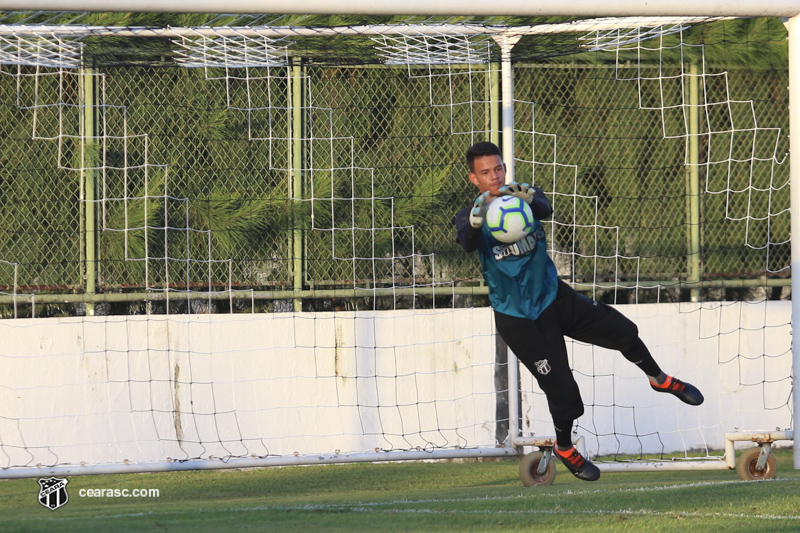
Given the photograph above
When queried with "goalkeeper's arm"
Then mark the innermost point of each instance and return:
(467, 235)
(469, 222)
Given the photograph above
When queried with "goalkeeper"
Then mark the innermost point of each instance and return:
(534, 310)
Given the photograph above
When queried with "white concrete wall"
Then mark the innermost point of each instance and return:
(148, 388)
(110, 389)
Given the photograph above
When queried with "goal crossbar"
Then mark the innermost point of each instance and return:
(66, 30)
(591, 8)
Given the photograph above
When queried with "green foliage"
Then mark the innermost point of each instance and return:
(127, 250)
(426, 200)
(753, 43)
(382, 154)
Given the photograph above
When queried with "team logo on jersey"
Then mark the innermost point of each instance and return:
(542, 367)
(523, 246)
(53, 492)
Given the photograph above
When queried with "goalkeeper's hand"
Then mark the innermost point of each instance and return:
(478, 213)
(532, 195)
(524, 192)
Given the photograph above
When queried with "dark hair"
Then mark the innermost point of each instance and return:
(479, 150)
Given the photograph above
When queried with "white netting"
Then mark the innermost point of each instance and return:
(398, 366)
(730, 167)
(434, 50)
(233, 52)
(40, 51)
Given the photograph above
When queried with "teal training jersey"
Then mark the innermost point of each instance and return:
(522, 278)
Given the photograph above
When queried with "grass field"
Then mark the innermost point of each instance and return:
(437, 497)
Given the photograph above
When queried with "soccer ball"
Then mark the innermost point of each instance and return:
(509, 219)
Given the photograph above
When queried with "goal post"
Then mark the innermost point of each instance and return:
(793, 26)
(256, 266)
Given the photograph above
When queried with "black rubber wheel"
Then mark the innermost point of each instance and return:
(528, 467)
(746, 466)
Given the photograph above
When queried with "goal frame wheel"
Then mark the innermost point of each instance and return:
(747, 464)
(529, 469)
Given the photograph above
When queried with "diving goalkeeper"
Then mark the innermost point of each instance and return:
(534, 310)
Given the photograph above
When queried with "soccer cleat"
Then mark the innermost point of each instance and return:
(580, 467)
(686, 392)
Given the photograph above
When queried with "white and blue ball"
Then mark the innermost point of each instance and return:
(509, 219)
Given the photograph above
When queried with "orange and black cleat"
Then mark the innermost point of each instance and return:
(580, 467)
(686, 392)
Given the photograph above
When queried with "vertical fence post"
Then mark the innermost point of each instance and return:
(494, 103)
(693, 182)
(501, 387)
(506, 43)
(295, 91)
(793, 25)
(88, 160)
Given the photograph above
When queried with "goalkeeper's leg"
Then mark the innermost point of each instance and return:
(596, 323)
(539, 345)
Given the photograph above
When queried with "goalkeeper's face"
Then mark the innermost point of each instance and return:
(488, 174)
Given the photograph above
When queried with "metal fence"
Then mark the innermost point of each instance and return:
(310, 177)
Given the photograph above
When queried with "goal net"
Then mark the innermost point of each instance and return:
(227, 240)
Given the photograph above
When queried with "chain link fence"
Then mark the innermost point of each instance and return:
(332, 175)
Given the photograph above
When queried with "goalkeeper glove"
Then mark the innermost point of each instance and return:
(532, 195)
(524, 192)
(478, 213)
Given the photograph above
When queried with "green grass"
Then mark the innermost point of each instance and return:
(414, 497)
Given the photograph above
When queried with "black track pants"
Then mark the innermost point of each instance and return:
(539, 344)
